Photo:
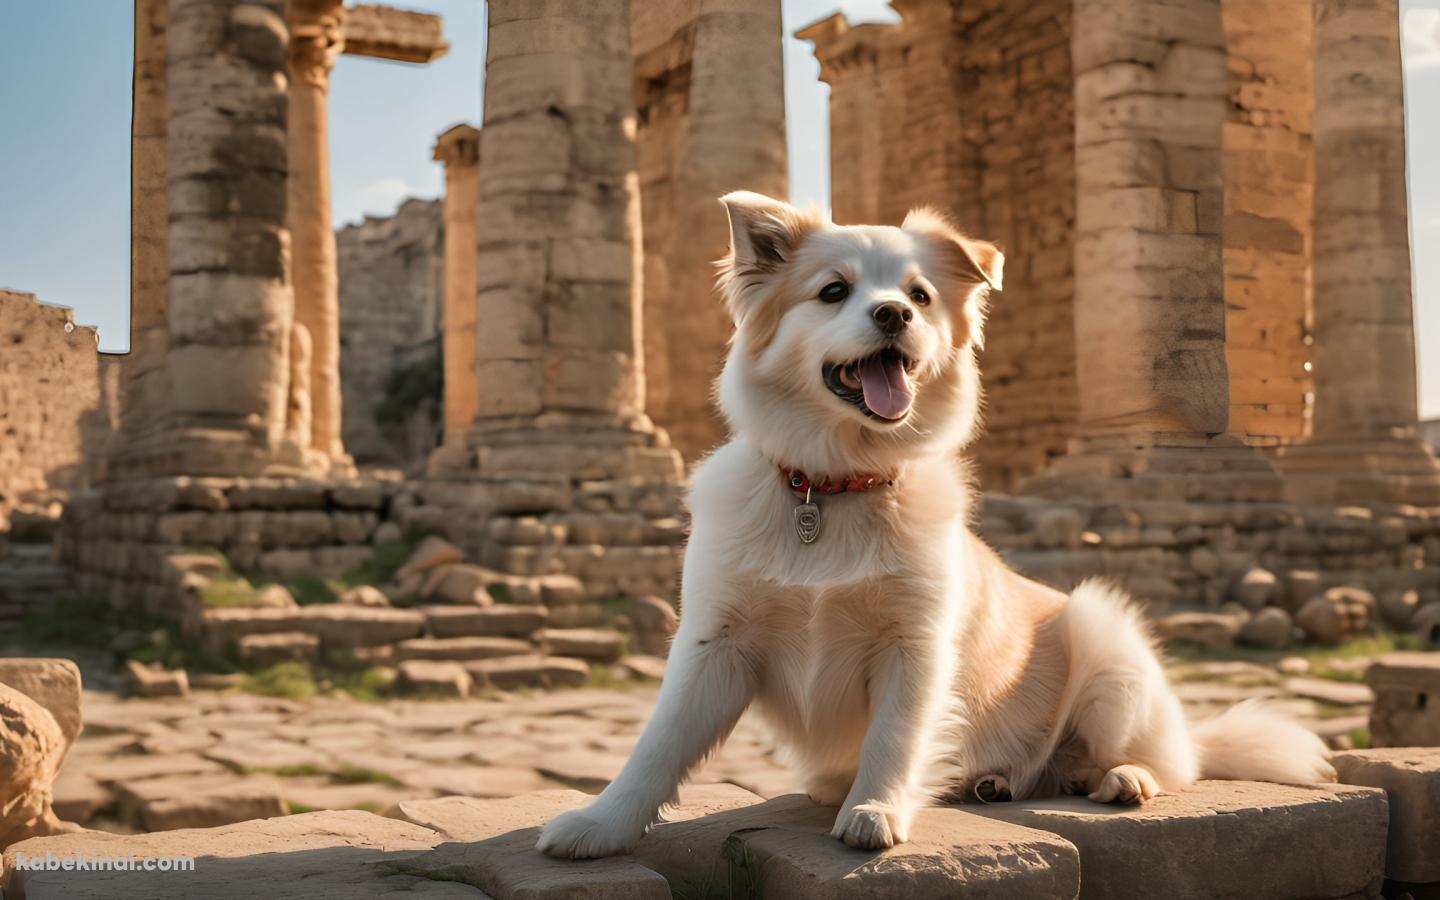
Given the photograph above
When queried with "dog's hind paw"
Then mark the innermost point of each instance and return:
(869, 827)
(574, 835)
(993, 789)
(1126, 784)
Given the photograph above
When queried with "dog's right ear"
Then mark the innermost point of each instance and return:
(764, 233)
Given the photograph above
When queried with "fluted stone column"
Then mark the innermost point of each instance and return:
(558, 314)
(144, 394)
(459, 149)
(315, 42)
(230, 300)
(1150, 95)
(734, 140)
(1364, 448)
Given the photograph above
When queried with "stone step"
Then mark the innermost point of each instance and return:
(1218, 839)
(501, 620)
(533, 671)
(462, 649)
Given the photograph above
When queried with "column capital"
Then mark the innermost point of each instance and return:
(458, 145)
(317, 37)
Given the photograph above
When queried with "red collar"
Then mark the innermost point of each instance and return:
(800, 484)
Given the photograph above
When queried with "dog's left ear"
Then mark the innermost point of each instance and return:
(978, 261)
(764, 232)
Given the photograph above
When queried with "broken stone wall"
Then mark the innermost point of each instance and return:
(1269, 202)
(391, 302)
(49, 387)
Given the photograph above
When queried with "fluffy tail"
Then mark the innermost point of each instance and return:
(1252, 742)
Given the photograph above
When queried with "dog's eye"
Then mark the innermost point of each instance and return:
(834, 292)
(919, 296)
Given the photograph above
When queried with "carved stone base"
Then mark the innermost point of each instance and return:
(1363, 471)
(1159, 467)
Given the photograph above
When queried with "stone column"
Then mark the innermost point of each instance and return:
(734, 139)
(558, 332)
(1150, 94)
(1365, 447)
(315, 42)
(143, 392)
(229, 291)
(459, 150)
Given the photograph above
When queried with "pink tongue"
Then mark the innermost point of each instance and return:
(887, 387)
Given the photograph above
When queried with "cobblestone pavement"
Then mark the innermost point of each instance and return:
(212, 758)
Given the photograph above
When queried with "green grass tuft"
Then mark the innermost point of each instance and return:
(288, 680)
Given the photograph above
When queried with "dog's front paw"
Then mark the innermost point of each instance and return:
(871, 826)
(579, 834)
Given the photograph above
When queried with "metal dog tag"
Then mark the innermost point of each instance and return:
(807, 521)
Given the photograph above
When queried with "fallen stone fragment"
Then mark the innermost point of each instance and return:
(52, 683)
(1270, 627)
(365, 595)
(1221, 839)
(433, 678)
(31, 748)
(262, 650)
(1410, 777)
(156, 682)
(433, 551)
(501, 620)
(1406, 712)
(1209, 629)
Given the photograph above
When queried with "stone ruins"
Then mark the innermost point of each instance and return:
(1193, 388)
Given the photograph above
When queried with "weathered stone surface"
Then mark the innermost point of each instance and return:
(462, 648)
(364, 595)
(32, 746)
(447, 679)
(1407, 700)
(1257, 588)
(460, 583)
(52, 683)
(433, 551)
(1221, 839)
(1410, 777)
(285, 646)
(495, 851)
(335, 855)
(501, 620)
(644, 666)
(1210, 629)
(597, 644)
(1337, 615)
(529, 671)
(240, 801)
(1270, 627)
(339, 625)
(146, 681)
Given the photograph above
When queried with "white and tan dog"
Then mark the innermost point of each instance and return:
(898, 659)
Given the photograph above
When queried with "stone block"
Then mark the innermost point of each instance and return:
(285, 646)
(462, 648)
(156, 682)
(1407, 700)
(1410, 777)
(596, 644)
(509, 672)
(434, 678)
(335, 855)
(1221, 839)
(52, 683)
(501, 620)
(339, 625)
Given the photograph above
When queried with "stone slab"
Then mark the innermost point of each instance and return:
(498, 852)
(1410, 776)
(52, 683)
(338, 855)
(1235, 839)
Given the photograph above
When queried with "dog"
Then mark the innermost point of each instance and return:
(833, 581)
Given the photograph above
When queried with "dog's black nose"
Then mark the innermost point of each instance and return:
(892, 317)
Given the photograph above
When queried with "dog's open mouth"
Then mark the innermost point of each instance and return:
(877, 385)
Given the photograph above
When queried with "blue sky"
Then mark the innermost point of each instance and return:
(64, 153)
